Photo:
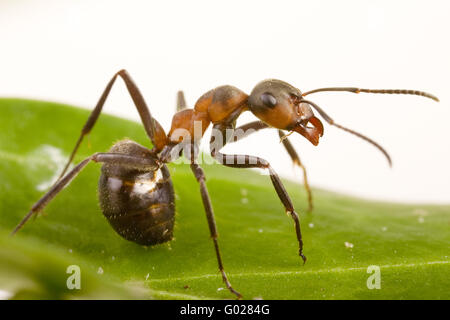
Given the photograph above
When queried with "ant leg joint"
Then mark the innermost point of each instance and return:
(94, 157)
(228, 284)
(198, 172)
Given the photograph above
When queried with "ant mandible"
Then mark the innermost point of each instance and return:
(135, 189)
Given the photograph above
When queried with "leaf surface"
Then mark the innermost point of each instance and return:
(410, 243)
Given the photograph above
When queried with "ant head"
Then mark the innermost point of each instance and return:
(280, 105)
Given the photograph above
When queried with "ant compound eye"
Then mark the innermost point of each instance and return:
(268, 100)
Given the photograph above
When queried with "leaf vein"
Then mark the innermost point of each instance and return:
(320, 271)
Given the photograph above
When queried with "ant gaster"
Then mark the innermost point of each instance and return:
(135, 189)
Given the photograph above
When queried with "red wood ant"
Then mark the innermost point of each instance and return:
(135, 189)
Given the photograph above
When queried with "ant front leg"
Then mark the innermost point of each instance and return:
(153, 129)
(112, 158)
(246, 161)
(200, 176)
(251, 127)
(296, 160)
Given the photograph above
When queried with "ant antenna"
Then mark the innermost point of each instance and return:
(328, 119)
(384, 91)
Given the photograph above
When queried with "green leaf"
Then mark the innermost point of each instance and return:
(410, 243)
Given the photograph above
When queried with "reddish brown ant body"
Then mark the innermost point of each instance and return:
(135, 189)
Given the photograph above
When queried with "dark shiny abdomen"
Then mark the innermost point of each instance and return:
(139, 205)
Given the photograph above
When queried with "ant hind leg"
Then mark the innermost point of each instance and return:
(153, 129)
(112, 158)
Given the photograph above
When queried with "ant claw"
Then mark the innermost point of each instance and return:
(302, 256)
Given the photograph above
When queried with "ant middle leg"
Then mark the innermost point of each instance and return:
(111, 158)
(200, 176)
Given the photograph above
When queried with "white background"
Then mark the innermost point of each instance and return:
(66, 51)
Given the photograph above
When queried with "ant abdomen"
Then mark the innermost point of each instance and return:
(138, 204)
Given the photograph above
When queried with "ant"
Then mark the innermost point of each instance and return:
(135, 189)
